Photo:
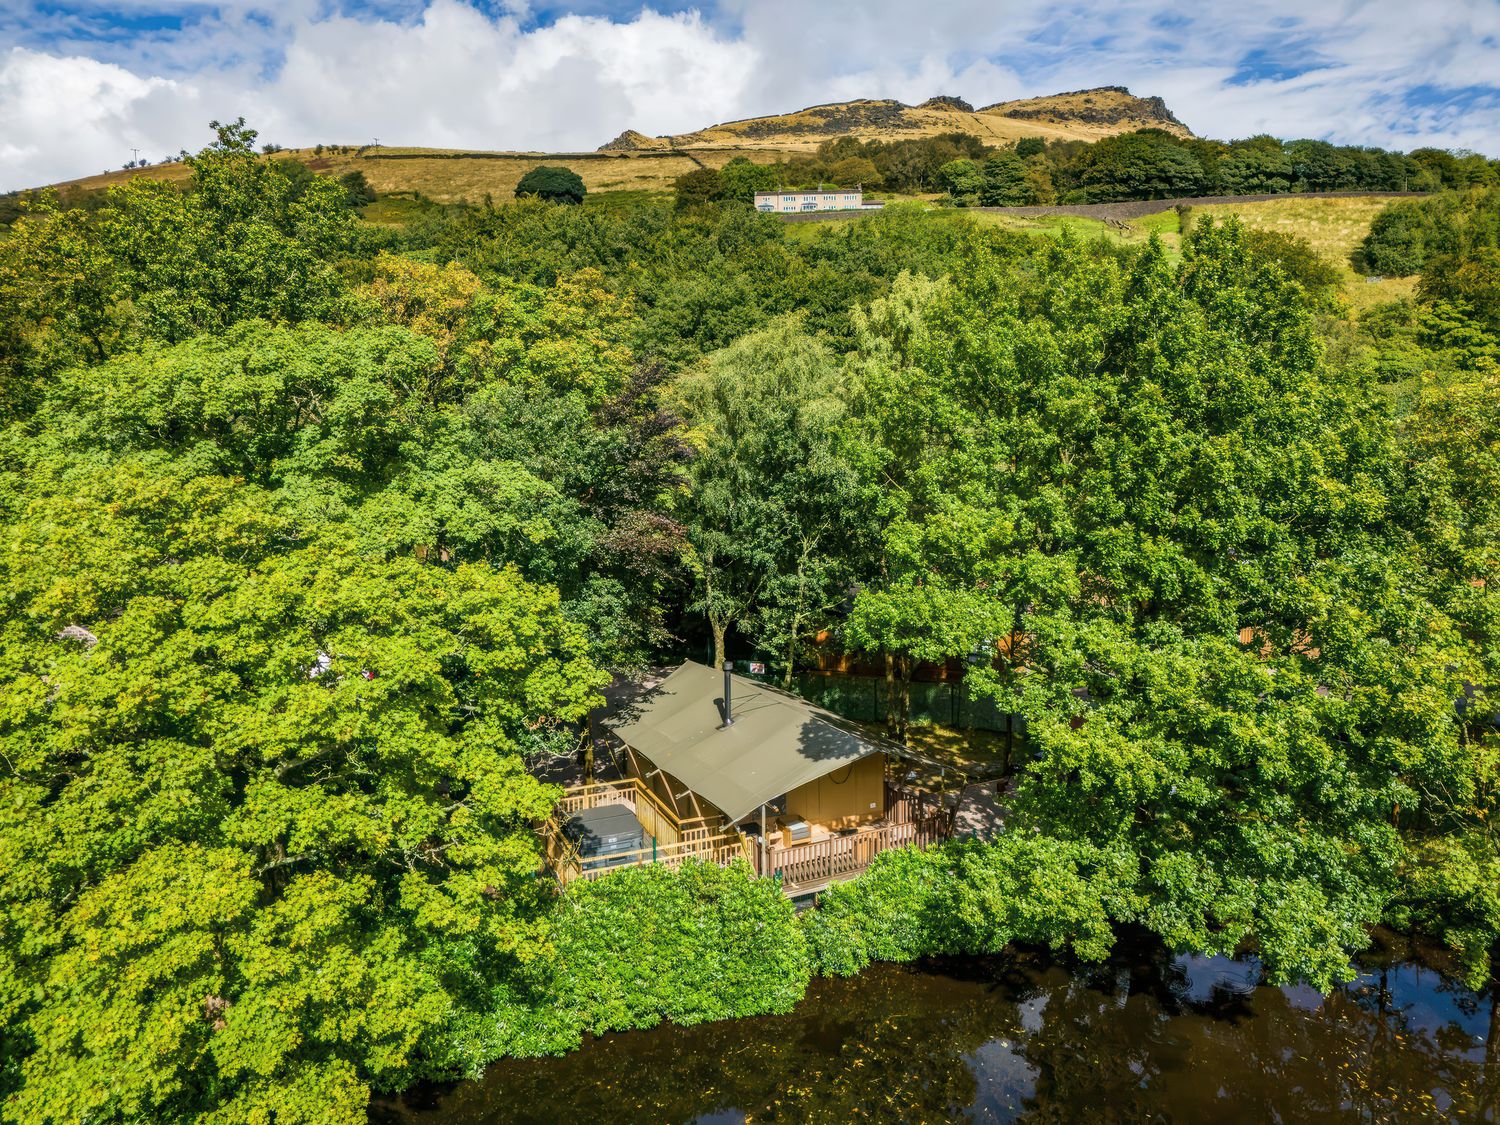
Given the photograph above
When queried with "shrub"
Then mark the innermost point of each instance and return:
(557, 185)
(700, 943)
(965, 897)
(1298, 260)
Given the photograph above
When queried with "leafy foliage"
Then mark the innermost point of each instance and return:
(555, 185)
(970, 898)
(1407, 233)
(317, 534)
(696, 944)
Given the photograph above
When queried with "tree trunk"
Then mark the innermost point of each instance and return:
(719, 627)
(890, 694)
(588, 757)
(795, 634)
(903, 699)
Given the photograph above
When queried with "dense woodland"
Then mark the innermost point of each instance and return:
(1146, 164)
(318, 533)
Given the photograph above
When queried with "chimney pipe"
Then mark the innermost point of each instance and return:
(728, 705)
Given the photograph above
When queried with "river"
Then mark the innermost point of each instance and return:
(1144, 1037)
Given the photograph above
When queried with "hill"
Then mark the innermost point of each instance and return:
(1084, 115)
(636, 162)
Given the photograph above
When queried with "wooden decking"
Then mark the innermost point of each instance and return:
(802, 868)
(672, 840)
(806, 868)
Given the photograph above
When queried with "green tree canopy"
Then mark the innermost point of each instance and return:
(700, 186)
(961, 179)
(1005, 181)
(1149, 164)
(239, 754)
(555, 185)
(773, 506)
(1141, 475)
(742, 179)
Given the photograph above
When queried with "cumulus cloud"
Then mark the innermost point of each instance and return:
(57, 109)
(79, 91)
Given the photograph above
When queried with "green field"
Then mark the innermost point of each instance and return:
(1333, 226)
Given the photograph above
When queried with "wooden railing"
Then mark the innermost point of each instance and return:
(659, 822)
(673, 840)
(820, 862)
(811, 865)
(721, 849)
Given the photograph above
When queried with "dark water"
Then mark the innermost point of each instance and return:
(1020, 1038)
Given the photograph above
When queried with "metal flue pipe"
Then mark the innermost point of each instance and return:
(728, 689)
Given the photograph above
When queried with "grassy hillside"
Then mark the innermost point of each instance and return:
(636, 162)
(1079, 115)
(452, 176)
(1333, 226)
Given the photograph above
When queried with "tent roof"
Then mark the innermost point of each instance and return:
(778, 741)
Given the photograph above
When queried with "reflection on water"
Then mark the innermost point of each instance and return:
(1020, 1038)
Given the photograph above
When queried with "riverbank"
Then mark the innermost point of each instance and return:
(1024, 1036)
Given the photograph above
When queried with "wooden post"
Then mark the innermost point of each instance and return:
(588, 758)
(763, 859)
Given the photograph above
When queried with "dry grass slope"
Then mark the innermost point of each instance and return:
(1079, 115)
(635, 162)
(453, 176)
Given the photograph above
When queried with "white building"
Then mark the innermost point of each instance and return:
(795, 202)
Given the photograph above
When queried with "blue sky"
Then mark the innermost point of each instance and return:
(83, 82)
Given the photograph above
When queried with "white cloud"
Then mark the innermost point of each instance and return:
(456, 78)
(59, 111)
(73, 101)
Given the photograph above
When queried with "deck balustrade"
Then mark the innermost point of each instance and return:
(802, 868)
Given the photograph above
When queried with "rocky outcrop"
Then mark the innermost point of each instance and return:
(1101, 106)
(631, 141)
(947, 101)
(1087, 114)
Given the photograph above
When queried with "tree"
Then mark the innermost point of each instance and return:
(249, 239)
(961, 179)
(700, 186)
(1124, 467)
(918, 600)
(231, 768)
(1451, 224)
(1296, 257)
(1148, 164)
(855, 171)
(358, 187)
(1319, 166)
(1471, 281)
(772, 505)
(1255, 166)
(555, 185)
(742, 179)
(1005, 181)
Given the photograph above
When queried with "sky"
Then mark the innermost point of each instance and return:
(84, 84)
